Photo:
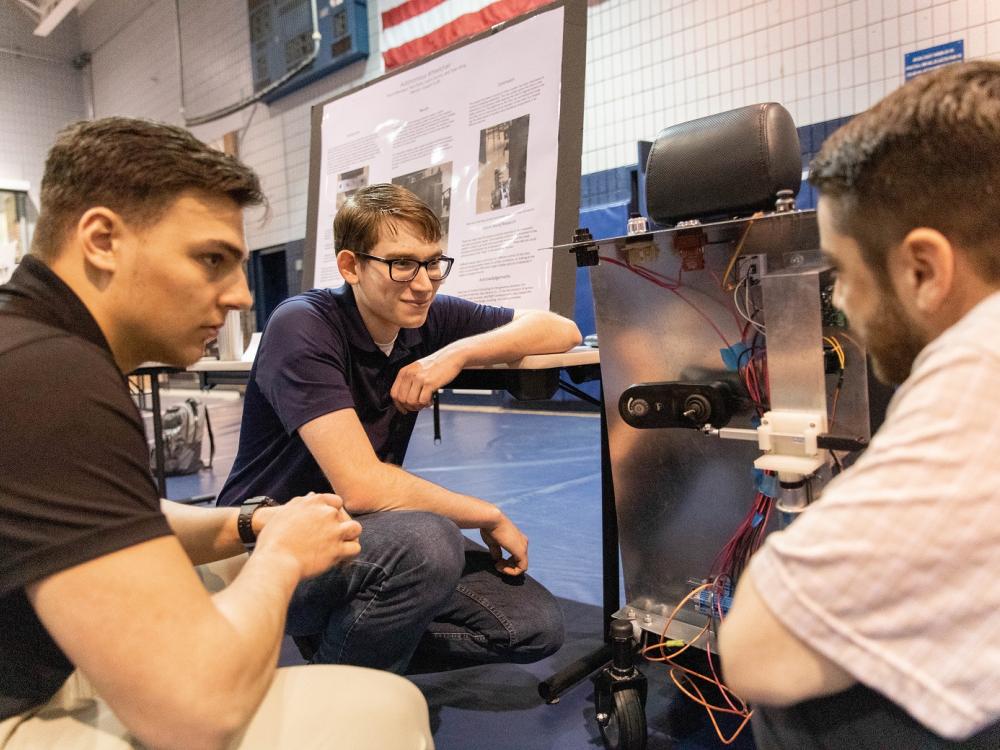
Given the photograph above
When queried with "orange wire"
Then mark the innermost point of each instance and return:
(710, 709)
(687, 674)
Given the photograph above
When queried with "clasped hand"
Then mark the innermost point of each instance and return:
(314, 530)
(417, 382)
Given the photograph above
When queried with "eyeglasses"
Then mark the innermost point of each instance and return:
(406, 269)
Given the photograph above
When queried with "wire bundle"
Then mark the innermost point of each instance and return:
(687, 680)
(673, 285)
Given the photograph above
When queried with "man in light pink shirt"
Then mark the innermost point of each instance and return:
(873, 621)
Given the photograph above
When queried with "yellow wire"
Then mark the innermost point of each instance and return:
(838, 349)
(736, 253)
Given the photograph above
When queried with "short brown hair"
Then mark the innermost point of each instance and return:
(928, 155)
(134, 167)
(372, 210)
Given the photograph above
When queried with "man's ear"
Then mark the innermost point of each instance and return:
(347, 264)
(926, 269)
(99, 233)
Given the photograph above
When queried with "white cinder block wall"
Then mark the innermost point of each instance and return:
(650, 63)
(40, 92)
(139, 69)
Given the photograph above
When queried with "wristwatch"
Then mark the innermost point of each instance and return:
(244, 521)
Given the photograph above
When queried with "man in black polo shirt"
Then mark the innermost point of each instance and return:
(332, 401)
(138, 256)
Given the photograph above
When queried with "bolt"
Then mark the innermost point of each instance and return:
(647, 618)
(630, 613)
(603, 719)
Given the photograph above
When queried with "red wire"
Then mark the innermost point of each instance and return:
(670, 285)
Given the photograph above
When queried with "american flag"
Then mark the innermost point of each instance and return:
(412, 29)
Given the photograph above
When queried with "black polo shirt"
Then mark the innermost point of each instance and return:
(74, 467)
(317, 357)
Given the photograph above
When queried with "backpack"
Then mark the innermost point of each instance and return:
(183, 427)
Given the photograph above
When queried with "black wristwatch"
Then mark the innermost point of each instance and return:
(244, 521)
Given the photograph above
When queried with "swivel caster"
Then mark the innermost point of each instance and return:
(620, 694)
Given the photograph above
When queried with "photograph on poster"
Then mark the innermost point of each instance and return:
(503, 163)
(433, 186)
(349, 182)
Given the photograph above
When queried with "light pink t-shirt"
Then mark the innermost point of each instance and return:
(894, 574)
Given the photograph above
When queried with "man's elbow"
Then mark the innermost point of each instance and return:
(757, 676)
(568, 332)
(743, 671)
(575, 337)
(210, 726)
(361, 493)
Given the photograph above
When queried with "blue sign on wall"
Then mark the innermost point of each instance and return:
(915, 63)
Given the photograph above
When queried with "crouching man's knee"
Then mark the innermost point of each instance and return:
(538, 631)
(433, 553)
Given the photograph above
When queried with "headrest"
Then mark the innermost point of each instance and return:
(727, 164)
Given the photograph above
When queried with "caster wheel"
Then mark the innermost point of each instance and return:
(623, 727)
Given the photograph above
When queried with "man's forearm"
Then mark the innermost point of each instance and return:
(388, 487)
(531, 332)
(206, 534)
(255, 605)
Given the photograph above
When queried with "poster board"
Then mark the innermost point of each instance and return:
(489, 134)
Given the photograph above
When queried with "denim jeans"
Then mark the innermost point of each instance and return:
(421, 587)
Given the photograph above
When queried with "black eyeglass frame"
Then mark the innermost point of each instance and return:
(425, 264)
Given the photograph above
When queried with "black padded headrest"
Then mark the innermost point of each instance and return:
(727, 164)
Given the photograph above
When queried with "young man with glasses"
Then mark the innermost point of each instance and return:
(332, 400)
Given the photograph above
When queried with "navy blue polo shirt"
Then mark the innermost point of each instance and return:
(317, 357)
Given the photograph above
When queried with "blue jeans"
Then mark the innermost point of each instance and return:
(421, 587)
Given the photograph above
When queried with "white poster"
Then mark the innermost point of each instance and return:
(474, 133)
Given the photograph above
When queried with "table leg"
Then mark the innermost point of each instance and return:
(576, 671)
(609, 530)
(160, 475)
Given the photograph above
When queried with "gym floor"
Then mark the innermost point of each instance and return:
(543, 469)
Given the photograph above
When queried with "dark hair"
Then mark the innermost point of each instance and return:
(372, 210)
(134, 167)
(928, 155)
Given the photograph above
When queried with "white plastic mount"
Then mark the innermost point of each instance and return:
(788, 439)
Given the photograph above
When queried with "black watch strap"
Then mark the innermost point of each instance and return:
(244, 521)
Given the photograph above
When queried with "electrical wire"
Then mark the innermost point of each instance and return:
(747, 316)
(738, 250)
(671, 285)
(842, 362)
(684, 678)
(838, 350)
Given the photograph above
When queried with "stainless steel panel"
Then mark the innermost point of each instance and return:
(795, 330)
(681, 494)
